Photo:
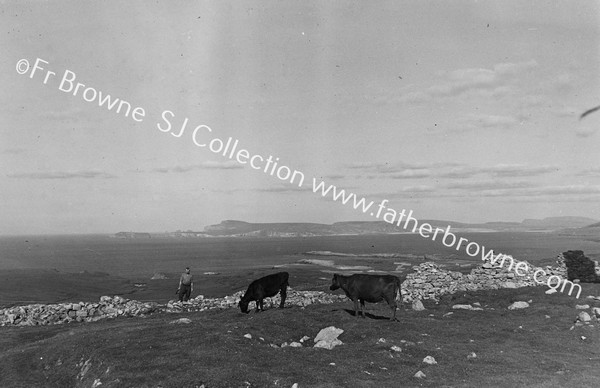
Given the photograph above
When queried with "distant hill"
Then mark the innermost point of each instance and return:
(234, 228)
(591, 231)
(560, 222)
(241, 228)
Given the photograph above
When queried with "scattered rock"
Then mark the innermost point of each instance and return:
(396, 348)
(462, 307)
(582, 306)
(248, 335)
(429, 360)
(327, 338)
(551, 291)
(296, 345)
(381, 341)
(518, 305)
(471, 356)
(596, 311)
(420, 375)
(584, 317)
(418, 305)
(181, 320)
(510, 285)
(305, 338)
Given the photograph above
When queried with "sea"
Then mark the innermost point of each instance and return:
(135, 258)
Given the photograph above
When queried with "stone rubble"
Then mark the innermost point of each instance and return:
(429, 360)
(518, 305)
(53, 314)
(117, 306)
(429, 281)
(327, 338)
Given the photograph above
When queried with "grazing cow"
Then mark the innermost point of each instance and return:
(369, 288)
(265, 287)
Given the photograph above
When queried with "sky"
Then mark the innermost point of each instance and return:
(456, 110)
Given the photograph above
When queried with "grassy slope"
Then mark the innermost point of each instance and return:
(514, 348)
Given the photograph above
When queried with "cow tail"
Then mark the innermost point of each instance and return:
(398, 290)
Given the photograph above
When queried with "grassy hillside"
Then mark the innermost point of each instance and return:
(513, 348)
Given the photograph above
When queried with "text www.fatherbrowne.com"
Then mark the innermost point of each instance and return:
(201, 136)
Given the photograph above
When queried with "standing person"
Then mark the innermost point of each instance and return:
(186, 285)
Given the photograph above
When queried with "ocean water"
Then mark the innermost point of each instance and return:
(144, 257)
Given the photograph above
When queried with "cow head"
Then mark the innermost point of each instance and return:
(335, 282)
(244, 305)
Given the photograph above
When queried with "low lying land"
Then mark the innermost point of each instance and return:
(539, 346)
(513, 348)
(536, 346)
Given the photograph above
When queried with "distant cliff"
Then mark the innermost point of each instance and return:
(132, 235)
(233, 228)
(247, 229)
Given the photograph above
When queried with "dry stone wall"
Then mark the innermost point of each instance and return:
(113, 307)
(52, 314)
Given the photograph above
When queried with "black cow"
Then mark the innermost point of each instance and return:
(369, 288)
(265, 287)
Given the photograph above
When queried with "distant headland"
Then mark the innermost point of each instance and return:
(233, 228)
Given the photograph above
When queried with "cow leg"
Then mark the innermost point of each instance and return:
(257, 305)
(283, 293)
(262, 304)
(362, 307)
(356, 307)
(392, 305)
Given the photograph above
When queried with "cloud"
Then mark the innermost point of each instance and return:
(488, 185)
(208, 165)
(63, 175)
(402, 170)
(586, 130)
(13, 151)
(590, 172)
(542, 191)
(335, 177)
(515, 170)
(392, 168)
(486, 121)
(284, 189)
(410, 174)
(500, 170)
(493, 81)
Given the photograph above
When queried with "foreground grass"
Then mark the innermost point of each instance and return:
(513, 348)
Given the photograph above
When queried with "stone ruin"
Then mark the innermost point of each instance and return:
(580, 267)
(429, 281)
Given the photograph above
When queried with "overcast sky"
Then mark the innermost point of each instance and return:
(461, 110)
